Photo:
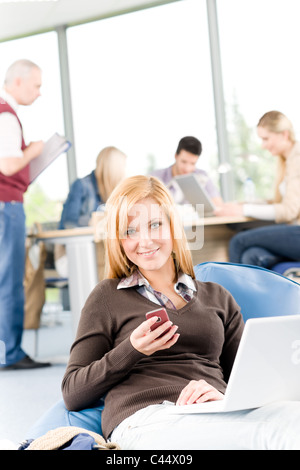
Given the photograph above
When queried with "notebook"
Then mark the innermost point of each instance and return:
(54, 147)
(196, 194)
(266, 368)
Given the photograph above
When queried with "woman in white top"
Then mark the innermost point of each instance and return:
(266, 246)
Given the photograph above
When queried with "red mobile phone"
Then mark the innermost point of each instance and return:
(162, 315)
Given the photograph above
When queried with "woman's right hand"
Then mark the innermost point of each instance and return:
(148, 342)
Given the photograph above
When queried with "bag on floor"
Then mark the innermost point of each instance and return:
(34, 284)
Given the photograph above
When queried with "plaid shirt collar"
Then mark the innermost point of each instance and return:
(185, 287)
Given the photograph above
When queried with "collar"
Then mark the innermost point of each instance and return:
(137, 279)
(9, 99)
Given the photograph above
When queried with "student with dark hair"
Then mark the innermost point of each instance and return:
(187, 155)
(86, 196)
(190, 144)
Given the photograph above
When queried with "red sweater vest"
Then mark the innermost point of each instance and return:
(13, 187)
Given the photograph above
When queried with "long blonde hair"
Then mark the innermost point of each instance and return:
(110, 170)
(277, 122)
(129, 192)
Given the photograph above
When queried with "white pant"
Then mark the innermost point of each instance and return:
(272, 427)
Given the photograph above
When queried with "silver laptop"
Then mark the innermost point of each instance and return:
(196, 194)
(266, 368)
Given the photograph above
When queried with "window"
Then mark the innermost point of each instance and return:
(40, 121)
(259, 46)
(140, 82)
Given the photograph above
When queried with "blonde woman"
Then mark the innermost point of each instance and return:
(144, 372)
(88, 193)
(269, 245)
(86, 196)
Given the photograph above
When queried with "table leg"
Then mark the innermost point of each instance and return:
(83, 275)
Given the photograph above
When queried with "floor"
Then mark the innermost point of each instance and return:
(26, 395)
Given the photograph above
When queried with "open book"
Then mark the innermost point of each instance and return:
(54, 147)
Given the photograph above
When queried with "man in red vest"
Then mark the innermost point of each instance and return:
(21, 87)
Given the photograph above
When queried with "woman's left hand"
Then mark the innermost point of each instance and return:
(198, 391)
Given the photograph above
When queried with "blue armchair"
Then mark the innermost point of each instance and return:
(290, 269)
(259, 293)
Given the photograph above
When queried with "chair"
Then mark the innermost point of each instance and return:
(258, 291)
(290, 269)
(52, 279)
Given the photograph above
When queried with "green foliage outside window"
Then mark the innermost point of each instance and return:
(248, 159)
(39, 207)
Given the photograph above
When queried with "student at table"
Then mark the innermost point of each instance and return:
(89, 194)
(266, 246)
(187, 156)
